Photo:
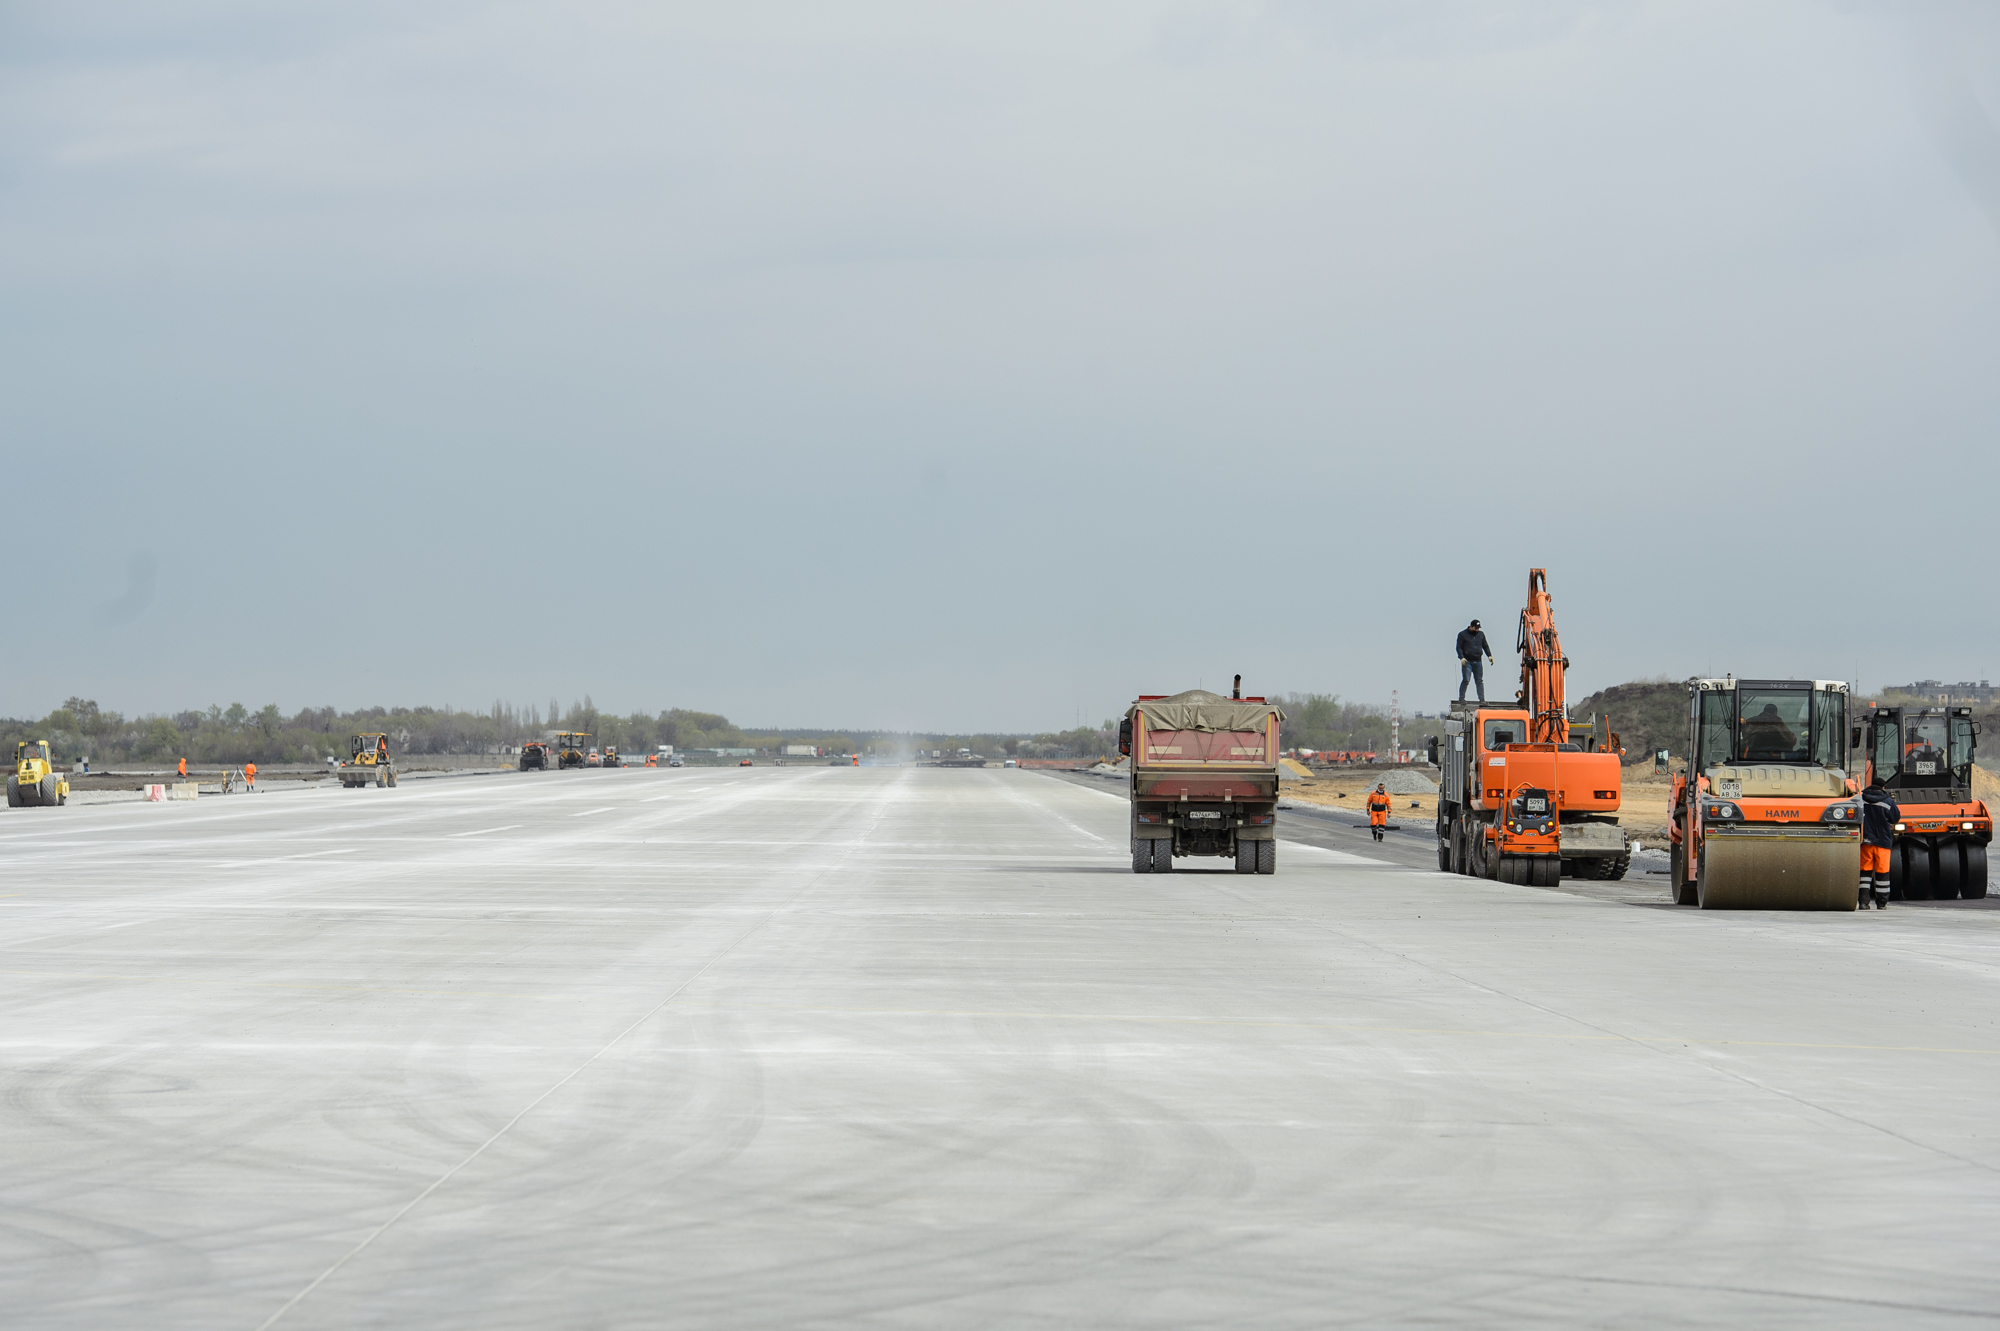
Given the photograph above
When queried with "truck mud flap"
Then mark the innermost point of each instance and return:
(1776, 871)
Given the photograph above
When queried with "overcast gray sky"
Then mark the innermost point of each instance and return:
(977, 365)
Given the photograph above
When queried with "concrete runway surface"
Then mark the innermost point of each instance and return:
(913, 1048)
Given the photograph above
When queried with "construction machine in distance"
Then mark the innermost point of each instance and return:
(368, 762)
(1924, 757)
(35, 779)
(572, 748)
(1528, 796)
(1766, 816)
(1204, 778)
(611, 758)
(534, 756)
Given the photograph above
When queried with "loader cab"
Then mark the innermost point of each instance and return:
(1768, 722)
(1921, 748)
(368, 748)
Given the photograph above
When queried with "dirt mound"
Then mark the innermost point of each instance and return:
(1407, 783)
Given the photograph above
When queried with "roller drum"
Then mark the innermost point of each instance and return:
(1777, 871)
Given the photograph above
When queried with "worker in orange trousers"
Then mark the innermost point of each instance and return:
(1378, 810)
(250, 775)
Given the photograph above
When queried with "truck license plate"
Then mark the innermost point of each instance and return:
(1199, 814)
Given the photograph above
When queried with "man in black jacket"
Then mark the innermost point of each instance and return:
(1472, 646)
(1879, 816)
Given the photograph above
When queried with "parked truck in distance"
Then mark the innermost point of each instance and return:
(1204, 779)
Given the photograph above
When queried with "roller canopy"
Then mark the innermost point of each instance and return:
(1198, 709)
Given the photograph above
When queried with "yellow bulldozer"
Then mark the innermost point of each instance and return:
(35, 779)
(368, 763)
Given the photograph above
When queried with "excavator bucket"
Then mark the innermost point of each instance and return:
(1776, 871)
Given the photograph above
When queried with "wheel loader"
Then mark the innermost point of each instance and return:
(368, 762)
(1766, 816)
(1924, 757)
(35, 779)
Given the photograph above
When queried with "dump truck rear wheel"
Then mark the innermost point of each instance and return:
(1142, 857)
(1973, 885)
(1444, 856)
(1267, 857)
(1246, 856)
(1163, 855)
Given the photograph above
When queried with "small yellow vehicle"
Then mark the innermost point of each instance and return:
(572, 749)
(35, 779)
(369, 763)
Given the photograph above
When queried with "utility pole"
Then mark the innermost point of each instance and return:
(1395, 726)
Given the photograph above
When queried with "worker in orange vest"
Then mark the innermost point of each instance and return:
(1378, 810)
(184, 767)
(250, 775)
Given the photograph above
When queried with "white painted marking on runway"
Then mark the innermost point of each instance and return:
(583, 812)
(484, 830)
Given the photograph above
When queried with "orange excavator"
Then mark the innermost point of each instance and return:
(1529, 796)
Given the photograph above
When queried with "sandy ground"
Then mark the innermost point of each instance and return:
(1642, 811)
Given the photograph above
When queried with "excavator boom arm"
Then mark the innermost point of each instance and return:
(1542, 665)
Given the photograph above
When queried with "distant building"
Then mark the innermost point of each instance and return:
(1937, 691)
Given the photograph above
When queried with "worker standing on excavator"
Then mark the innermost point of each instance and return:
(1378, 810)
(1472, 646)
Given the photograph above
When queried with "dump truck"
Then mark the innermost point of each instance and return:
(1203, 778)
(368, 762)
(534, 756)
(35, 779)
(572, 748)
(1766, 816)
(1527, 795)
(1924, 757)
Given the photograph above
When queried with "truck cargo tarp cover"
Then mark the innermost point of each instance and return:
(1198, 709)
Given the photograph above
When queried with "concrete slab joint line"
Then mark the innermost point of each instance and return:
(882, 802)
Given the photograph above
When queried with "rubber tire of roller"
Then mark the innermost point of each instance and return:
(48, 792)
(1973, 886)
(1916, 870)
(1246, 856)
(1551, 872)
(1142, 856)
(1944, 886)
(1163, 854)
(1897, 877)
(1267, 857)
(13, 792)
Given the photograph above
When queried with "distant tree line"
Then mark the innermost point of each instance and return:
(80, 729)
